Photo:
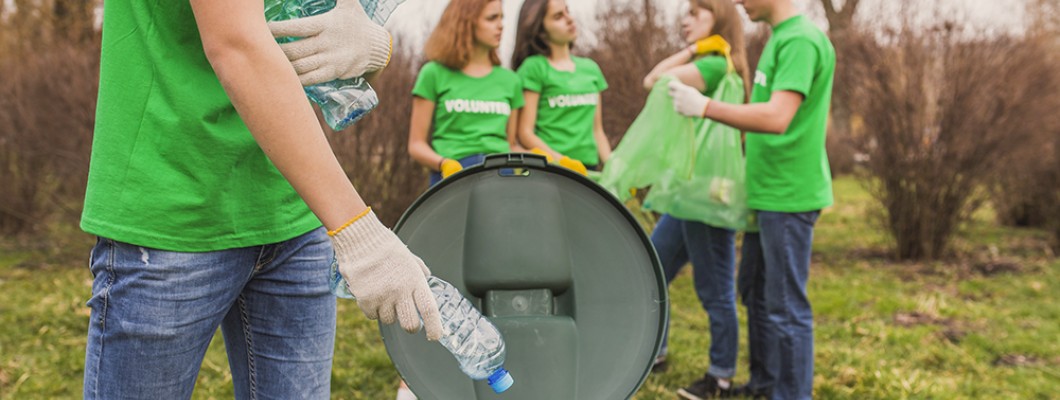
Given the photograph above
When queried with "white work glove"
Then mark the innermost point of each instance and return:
(342, 43)
(687, 100)
(388, 281)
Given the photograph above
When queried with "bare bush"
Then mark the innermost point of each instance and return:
(941, 109)
(374, 152)
(47, 109)
(632, 40)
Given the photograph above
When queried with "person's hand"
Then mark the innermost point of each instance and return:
(342, 43)
(449, 167)
(564, 161)
(648, 82)
(548, 157)
(714, 43)
(574, 165)
(687, 100)
(388, 281)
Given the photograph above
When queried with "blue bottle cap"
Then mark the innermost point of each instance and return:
(500, 380)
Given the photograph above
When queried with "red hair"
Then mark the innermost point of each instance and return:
(453, 39)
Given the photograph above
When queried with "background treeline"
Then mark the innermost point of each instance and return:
(937, 121)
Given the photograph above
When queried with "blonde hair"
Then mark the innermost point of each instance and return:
(728, 25)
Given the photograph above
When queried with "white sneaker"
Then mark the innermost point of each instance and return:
(405, 394)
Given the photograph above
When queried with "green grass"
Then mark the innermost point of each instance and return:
(884, 330)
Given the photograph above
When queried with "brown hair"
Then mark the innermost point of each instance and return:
(728, 24)
(530, 36)
(453, 39)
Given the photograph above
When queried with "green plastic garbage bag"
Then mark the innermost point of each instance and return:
(657, 149)
(695, 167)
(714, 193)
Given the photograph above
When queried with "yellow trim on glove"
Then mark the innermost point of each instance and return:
(350, 222)
(389, 52)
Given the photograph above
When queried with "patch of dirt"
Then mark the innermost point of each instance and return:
(952, 331)
(1016, 360)
(991, 268)
(917, 318)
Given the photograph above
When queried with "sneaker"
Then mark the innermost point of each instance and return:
(660, 365)
(746, 392)
(705, 388)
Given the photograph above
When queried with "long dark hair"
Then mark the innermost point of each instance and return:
(530, 36)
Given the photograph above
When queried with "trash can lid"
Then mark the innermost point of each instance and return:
(556, 263)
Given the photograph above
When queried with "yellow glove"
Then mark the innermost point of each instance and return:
(574, 165)
(538, 151)
(714, 43)
(449, 167)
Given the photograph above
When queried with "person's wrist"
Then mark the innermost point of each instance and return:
(440, 163)
(706, 105)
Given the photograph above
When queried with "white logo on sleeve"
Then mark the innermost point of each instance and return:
(478, 107)
(760, 79)
(573, 100)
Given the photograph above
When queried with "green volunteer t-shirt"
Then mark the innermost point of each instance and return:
(567, 106)
(713, 68)
(470, 114)
(173, 166)
(789, 172)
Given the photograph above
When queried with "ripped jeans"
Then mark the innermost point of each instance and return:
(154, 313)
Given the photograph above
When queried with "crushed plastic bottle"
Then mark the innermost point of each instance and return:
(471, 338)
(342, 101)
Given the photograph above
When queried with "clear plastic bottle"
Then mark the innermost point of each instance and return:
(471, 338)
(342, 101)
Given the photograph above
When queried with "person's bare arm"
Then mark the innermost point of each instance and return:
(266, 93)
(512, 132)
(419, 148)
(771, 117)
(682, 57)
(603, 146)
(527, 122)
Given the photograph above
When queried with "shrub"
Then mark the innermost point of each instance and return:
(941, 110)
(47, 109)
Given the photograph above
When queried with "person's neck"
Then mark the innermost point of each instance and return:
(559, 52)
(480, 56)
(479, 63)
(783, 11)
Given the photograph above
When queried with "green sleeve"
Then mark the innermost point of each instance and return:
(531, 74)
(517, 96)
(601, 82)
(713, 69)
(796, 62)
(426, 82)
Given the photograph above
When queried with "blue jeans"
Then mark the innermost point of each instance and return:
(712, 252)
(465, 162)
(154, 313)
(773, 272)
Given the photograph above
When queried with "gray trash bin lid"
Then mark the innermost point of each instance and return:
(556, 263)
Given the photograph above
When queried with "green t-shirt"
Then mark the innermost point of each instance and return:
(789, 172)
(470, 114)
(173, 166)
(713, 68)
(567, 106)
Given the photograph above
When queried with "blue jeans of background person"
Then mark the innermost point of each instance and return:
(465, 162)
(712, 252)
(154, 313)
(774, 268)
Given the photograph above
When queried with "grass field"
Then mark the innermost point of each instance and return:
(983, 325)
